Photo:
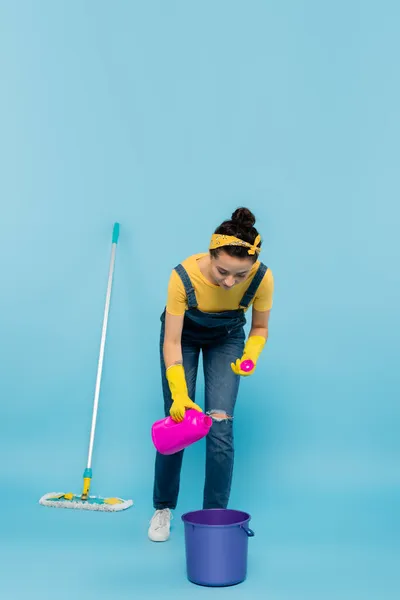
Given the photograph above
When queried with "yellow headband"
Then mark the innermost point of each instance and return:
(218, 240)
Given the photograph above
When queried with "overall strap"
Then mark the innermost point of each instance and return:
(191, 296)
(253, 287)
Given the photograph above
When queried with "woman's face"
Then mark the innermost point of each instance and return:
(227, 271)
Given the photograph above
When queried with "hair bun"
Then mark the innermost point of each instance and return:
(244, 217)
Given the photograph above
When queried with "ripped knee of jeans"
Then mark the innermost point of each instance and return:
(219, 415)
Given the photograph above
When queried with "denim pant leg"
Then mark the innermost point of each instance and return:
(221, 389)
(168, 467)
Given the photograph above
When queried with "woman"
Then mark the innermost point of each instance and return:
(208, 295)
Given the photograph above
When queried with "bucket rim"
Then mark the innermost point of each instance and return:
(186, 517)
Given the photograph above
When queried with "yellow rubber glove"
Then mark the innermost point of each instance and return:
(252, 350)
(179, 392)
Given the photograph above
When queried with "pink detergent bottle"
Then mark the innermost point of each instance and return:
(170, 437)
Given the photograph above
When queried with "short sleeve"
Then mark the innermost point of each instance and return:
(176, 297)
(264, 297)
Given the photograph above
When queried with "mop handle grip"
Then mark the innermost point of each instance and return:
(115, 235)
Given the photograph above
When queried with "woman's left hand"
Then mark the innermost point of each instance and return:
(243, 367)
(246, 365)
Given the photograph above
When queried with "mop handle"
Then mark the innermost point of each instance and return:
(115, 237)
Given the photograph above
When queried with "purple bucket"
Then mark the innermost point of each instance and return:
(217, 546)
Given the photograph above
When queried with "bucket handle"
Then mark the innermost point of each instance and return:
(249, 531)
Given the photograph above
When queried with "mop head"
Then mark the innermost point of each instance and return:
(60, 500)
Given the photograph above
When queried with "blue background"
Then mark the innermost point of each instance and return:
(166, 116)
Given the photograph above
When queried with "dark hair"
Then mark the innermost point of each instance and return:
(240, 225)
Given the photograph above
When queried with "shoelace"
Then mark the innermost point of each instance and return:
(161, 517)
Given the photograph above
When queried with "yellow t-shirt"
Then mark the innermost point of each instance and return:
(213, 298)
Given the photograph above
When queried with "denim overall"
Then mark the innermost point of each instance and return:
(221, 338)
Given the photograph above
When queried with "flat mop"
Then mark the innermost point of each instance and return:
(85, 501)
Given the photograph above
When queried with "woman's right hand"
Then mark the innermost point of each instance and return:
(179, 393)
(179, 407)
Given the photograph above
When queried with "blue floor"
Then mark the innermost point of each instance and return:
(310, 548)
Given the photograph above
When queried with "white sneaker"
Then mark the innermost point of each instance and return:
(160, 525)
